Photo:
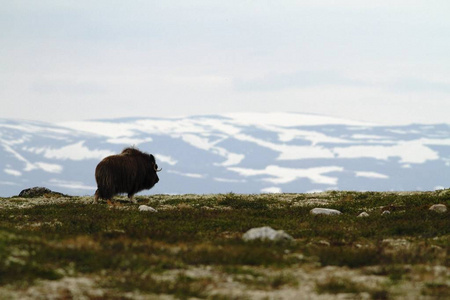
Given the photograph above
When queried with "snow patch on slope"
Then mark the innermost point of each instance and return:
(371, 175)
(280, 175)
(165, 159)
(12, 172)
(408, 151)
(190, 175)
(77, 151)
(289, 119)
(205, 144)
(75, 185)
(289, 152)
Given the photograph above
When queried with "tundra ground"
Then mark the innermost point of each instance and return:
(192, 247)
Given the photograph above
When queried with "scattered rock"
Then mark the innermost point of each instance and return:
(386, 212)
(323, 243)
(38, 192)
(440, 208)
(266, 234)
(325, 211)
(147, 208)
(319, 243)
(66, 288)
(394, 245)
(363, 215)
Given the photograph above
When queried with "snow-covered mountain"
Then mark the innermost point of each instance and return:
(241, 153)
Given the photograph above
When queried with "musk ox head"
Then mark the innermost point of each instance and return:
(129, 172)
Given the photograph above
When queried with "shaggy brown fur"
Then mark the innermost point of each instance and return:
(128, 172)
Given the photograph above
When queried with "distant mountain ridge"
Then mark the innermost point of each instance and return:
(241, 153)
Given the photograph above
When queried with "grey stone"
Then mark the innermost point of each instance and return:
(37, 192)
(325, 211)
(147, 208)
(440, 208)
(266, 234)
(363, 215)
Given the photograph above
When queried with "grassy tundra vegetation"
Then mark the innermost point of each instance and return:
(67, 247)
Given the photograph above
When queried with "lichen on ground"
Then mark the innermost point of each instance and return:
(192, 247)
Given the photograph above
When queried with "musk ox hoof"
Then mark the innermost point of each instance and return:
(132, 200)
(95, 201)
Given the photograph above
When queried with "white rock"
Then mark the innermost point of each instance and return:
(147, 208)
(323, 243)
(440, 208)
(363, 215)
(324, 211)
(386, 212)
(266, 234)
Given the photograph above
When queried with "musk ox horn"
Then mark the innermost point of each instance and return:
(155, 167)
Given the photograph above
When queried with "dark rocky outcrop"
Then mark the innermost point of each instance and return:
(39, 192)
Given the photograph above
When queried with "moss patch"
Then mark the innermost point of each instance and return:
(127, 251)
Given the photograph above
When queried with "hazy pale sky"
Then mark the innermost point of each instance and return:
(386, 62)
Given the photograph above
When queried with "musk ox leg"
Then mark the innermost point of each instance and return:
(102, 195)
(131, 197)
(96, 196)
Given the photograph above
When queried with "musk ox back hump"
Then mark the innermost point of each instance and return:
(128, 172)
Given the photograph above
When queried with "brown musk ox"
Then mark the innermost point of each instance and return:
(128, 172)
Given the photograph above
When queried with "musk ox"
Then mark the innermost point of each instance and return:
(128, 172)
